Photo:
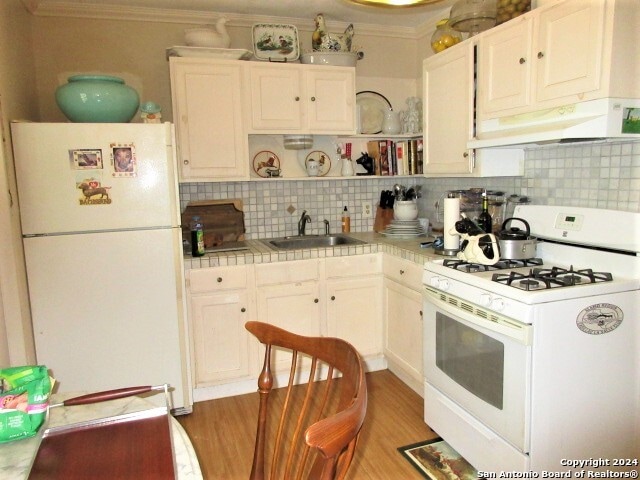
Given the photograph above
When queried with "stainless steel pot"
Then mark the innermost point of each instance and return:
(515, 243)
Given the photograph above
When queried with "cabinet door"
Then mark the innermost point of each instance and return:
(504, 68)
(221, 343)
(354, 312)
(330, 100)
(208, 110)
(295, 307)
(276, 98)
(403, 330)
(569, 49)
(448, 120)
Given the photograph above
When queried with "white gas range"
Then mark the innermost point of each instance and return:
(532, 364)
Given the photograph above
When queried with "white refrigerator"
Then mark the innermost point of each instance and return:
(102, 239)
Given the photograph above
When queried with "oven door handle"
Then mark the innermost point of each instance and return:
(477, 316)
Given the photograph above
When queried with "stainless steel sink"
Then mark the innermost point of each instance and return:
(311, 241)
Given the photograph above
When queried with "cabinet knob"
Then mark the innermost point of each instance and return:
(540, 54)
(333, 297)
(185, 161)
(313, 99)
(297, 99)
(420, 313)
(401, 272)
(243, 309)
(219, 279)
(465, 154)
(315, 300)
(522, 60)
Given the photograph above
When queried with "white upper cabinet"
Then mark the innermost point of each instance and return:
(561, 53)
(208, 100)
(290, 98)
(448, 115)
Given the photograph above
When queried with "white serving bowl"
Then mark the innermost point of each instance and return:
(339, 59)
(405, 210)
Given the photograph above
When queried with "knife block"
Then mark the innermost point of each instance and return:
(384, 216)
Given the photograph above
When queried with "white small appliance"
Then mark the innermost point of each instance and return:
(102, 241)
(532, 362)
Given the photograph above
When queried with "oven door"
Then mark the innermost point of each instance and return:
(481, 361)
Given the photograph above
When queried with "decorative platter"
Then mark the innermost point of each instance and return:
(275, 42)
(206, 52)
(322, 158)
(264, 161)
(372, 107)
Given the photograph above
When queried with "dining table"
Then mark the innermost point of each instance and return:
(17, 457)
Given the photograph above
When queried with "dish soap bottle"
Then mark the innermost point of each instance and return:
(197, 237)
(346, 220)
(484, 219)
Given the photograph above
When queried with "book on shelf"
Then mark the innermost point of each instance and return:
(390, 158)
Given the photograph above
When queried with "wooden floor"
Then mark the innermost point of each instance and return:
(223, 431)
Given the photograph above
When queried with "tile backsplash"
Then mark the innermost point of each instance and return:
(593, 174)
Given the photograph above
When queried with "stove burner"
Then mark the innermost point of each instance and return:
(529, 284)
(500, 265)
(543, 278)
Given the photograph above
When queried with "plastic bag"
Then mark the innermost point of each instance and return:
(24, 399)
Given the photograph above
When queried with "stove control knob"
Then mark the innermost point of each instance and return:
(439, 283)
(497, 304)
(485, 299)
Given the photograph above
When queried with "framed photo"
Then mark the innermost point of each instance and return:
(123, 158)
(86, 159)
(275, 42)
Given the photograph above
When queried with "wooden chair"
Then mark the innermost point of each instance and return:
(308, 430)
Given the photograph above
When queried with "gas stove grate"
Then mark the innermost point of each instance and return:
(500, 265)
(555, 277)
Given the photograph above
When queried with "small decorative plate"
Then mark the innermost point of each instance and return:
(372, 108)
(275, 42)
(322, 158)
(264, 161)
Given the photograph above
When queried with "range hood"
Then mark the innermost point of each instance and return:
(603, 119)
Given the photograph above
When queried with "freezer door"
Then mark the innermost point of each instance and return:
(108, 310)
(77, 177)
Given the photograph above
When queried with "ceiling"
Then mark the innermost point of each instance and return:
(338, 12)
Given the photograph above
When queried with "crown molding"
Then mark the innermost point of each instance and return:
(158, 15)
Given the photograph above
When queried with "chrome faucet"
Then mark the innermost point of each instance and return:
(326, 226)
(302, 223)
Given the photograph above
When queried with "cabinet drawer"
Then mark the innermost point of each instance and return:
(403, 271)
(287, 272)
(353, 266)
(217, 279)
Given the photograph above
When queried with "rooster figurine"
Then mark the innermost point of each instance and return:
(321, 40)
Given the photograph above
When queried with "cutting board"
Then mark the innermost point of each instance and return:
(223, 220)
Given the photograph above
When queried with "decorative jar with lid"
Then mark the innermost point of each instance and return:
(444, 36)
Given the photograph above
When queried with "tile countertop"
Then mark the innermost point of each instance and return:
(258, 252)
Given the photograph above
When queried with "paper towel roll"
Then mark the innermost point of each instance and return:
(450, 217)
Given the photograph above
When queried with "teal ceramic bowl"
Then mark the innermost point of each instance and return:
(97, 99)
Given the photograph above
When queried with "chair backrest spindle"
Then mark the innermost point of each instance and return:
(315, 433)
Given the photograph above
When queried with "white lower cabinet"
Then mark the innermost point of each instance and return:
(345, 297)
(354, 301)
(403, 341)
(220, 302)
(288, 296)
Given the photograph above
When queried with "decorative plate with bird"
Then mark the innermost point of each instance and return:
(275, 42)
